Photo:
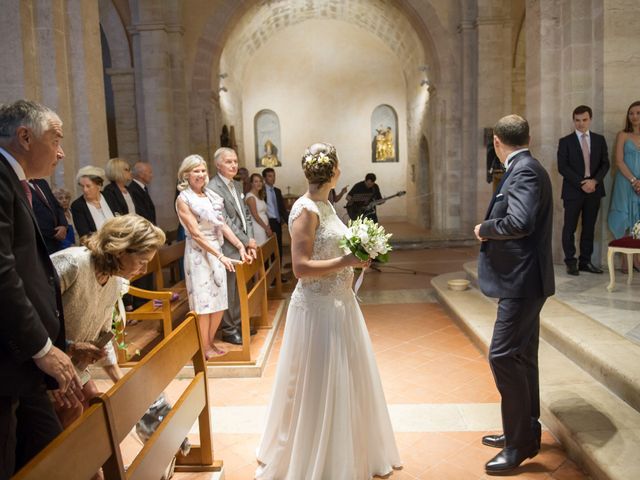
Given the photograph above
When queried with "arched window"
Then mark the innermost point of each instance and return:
(267, 139)
(384, 134)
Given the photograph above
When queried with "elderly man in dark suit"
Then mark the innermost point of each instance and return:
(138, 189)
(583, 162)
(32, 330)
(515, 265)
(49, 214)
(239, 219)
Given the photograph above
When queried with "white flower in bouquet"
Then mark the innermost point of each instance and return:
(635, 231)
(367, 240)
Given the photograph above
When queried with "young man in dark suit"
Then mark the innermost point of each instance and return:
(583, 162)
(515, 265)
(276, 211)
(32, 329)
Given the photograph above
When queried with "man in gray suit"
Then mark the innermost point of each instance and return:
(515, 265)
(238, 218)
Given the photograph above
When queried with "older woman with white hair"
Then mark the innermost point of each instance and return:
(201, 213)
(91, 209)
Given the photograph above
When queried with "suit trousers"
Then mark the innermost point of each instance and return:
(513, 356)
(231, 321)
(276, 227)
(28, 423)
(587, 206)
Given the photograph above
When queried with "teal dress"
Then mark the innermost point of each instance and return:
(625, 202)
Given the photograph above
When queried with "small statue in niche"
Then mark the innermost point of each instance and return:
(385, 150)
(270, 157)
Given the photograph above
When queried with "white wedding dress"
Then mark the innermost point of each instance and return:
(328, 418)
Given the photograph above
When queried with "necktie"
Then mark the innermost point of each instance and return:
(585, 155)
(27, 191)
(232, 189)
(39, 193)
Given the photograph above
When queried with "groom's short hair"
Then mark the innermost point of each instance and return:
(512, 130)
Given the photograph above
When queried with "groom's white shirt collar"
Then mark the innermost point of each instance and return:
(507, 162)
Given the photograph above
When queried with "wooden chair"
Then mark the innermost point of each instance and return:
(271, 257)
(252, 290)
(625, 245)
(130, 398)
(79, 451)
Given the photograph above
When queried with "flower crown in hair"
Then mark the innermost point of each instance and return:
(320, 158)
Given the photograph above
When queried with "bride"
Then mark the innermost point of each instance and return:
(328, 417)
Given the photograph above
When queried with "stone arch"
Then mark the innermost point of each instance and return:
(120, 83)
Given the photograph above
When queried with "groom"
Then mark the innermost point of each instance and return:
(515, 265)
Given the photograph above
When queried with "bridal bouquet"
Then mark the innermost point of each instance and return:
(367, 240)
(635, 230)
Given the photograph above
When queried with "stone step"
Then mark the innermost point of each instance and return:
(599, 430)
(609, 357)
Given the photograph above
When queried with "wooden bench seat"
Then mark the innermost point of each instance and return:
(93, 441)
(166, 262)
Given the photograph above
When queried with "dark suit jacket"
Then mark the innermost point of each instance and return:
(516, 261)
(29, 291)
(115, 199)
(282, 210)
(82, 219)
(141, 199)
(571, 165)
(49, 214)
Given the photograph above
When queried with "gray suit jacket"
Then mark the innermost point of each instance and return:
(232, 214)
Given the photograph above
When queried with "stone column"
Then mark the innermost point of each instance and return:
(544, 76)
(155, 106)
(53, 56)
(469, 80)
(494, 86)
(124, 99)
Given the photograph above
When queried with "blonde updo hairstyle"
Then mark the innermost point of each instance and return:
(187, 165)
(319, 162)
(122, 234)
(116, 168)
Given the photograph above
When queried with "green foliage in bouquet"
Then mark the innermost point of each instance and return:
(367, 240)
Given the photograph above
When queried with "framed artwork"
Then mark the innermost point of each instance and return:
(384, 135)
(267, 139)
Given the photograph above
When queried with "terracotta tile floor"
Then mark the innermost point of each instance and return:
(425, 361)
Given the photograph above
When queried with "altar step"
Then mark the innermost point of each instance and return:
(589, 378)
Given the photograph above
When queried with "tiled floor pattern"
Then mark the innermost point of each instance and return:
(439, 388)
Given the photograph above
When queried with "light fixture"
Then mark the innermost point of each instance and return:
(222, 76)
(223, 89)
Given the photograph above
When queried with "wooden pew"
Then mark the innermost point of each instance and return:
(252, 290)
(129, 399)
(271, 257)
(79, 451)
(169, 313)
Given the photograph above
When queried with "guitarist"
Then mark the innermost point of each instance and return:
(361, 195)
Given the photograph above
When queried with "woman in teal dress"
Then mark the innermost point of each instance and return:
(625, 201)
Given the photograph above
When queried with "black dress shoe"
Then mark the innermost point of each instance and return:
(589, 267)
(495, 441)
(234, 338)
(509, 458)
(572, 269)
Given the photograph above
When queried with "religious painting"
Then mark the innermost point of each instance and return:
(267, 139)
(384, 134)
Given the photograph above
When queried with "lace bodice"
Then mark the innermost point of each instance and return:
(325, 246)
